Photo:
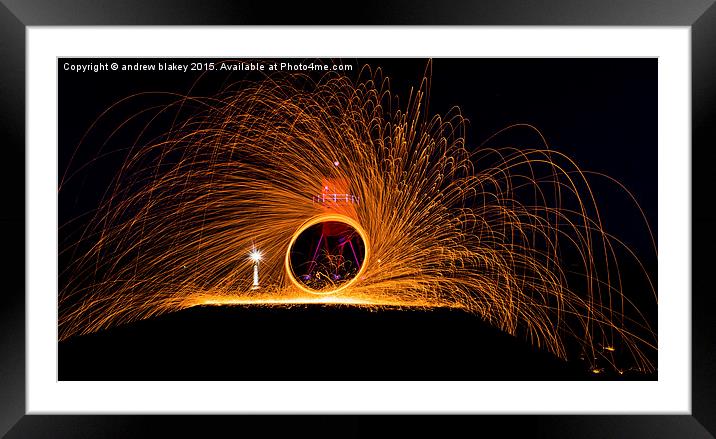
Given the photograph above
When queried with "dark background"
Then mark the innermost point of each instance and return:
(601, 112)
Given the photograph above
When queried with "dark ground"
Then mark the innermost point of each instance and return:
(311, 343)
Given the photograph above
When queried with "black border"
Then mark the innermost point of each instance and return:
(15, 15)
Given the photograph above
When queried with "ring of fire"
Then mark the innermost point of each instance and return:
(324, 219)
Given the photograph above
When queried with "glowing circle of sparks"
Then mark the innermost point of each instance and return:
(317, 220)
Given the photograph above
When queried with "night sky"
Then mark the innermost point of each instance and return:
(600, 112)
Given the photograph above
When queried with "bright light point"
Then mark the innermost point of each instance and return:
(255, 255)
(335, 163)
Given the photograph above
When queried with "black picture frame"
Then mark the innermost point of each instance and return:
(16, 15)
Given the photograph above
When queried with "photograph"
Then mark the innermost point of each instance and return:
(396, 218)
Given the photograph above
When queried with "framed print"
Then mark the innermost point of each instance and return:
(490, 219)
